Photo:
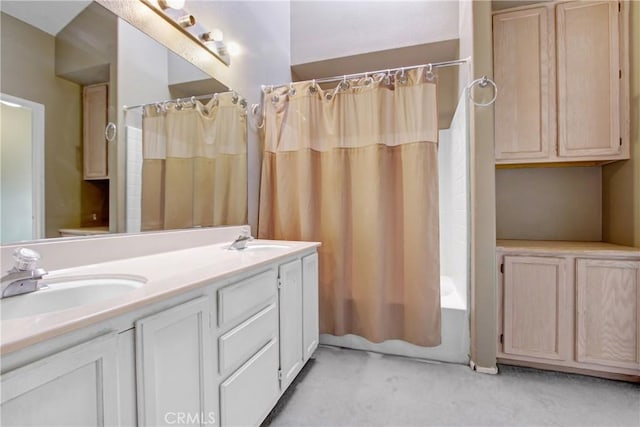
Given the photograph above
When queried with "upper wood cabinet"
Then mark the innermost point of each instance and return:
(524, 69)
(560, 69)
(94, 123)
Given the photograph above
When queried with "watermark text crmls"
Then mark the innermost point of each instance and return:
(190, 418)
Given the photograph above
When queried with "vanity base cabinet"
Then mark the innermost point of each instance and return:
(310, 320)
(290, 303)
(175, 366)
(571, 307)
(247, 396)
(77, 386)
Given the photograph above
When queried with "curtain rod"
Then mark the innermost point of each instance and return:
(388, 70)
(240, 100)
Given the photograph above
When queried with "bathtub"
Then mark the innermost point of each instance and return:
(455, 331)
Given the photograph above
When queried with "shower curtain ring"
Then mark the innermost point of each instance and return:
(292, 90)
(344, 84)
(402, 77)
(313, 89)
(430, 75)
(193, 101)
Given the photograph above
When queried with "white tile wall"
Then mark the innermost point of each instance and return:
(134, 179)
(454, 205)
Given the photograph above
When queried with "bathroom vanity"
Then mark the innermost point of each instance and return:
(214, 337)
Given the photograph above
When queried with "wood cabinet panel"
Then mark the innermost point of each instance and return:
(94, 120)
(588, 79)
(525, 73)
(607, 301)
(535, 307)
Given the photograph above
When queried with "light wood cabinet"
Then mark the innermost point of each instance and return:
(572, 306)
(77, 386)
(94, 123)
(174, 365)
(561, 73)
(536, 307)
(607, 306)
(525, 73)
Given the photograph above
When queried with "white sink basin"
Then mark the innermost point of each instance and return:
(61, 294)
(260, 247)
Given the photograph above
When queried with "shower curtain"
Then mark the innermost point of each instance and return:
(194, 165)
(355, 168)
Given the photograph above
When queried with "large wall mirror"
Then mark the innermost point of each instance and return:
(68, 69)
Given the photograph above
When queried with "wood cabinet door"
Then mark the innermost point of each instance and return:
(607, 301)
(536, 307)
(523, 48)
(174, 366)
(94, 123)
(290, 311)
(77, 386)
(588, 79)
(310, 323)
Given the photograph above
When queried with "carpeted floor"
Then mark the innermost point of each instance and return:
(354, 388)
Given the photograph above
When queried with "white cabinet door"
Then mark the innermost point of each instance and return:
(536, 307)
(76, 387)
(310, 327)
(290, 291)
(608, 312)
(175, 364)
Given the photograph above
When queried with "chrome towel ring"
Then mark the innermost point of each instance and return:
(483, 82)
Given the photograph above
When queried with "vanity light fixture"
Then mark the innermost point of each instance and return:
(186, 21)
(171, 4)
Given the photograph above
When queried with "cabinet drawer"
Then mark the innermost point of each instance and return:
(247, 396)
(237, 345)
(242, 299)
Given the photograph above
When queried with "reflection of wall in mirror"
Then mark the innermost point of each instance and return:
(15, 181)
(28, 71)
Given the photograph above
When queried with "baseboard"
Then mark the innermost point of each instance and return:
(483, 370)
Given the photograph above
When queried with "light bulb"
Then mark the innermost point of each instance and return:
(212, 36)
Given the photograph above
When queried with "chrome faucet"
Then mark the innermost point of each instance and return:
(241, 242)
(23, 277)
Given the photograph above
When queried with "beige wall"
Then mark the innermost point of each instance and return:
(621, 180)
(27, 71)
(483, 214)
(549, 203)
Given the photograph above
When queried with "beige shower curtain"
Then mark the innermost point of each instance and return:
(356, 169)
(194, 170)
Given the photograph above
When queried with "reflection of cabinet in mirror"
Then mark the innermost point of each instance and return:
(94, 122)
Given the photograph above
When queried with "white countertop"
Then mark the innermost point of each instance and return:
(168, 274)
